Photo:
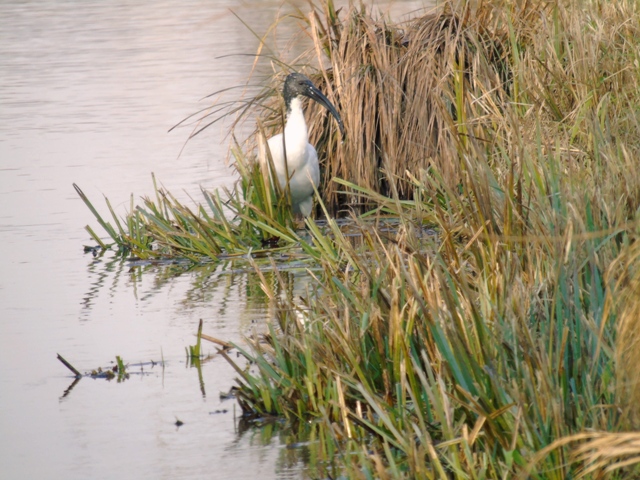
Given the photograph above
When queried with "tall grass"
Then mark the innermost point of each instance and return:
(252, 217)
(413, 95)
(504, 346)
(507, 346)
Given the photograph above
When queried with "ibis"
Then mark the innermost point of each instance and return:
(295, 160)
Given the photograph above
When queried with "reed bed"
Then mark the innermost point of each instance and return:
(506, 346)
(254, 217)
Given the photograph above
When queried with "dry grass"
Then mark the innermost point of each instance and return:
(507, 345)
(513, 129)
(627, 351)
(417, 96)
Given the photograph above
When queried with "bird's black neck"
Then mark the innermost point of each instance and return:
(288, 99)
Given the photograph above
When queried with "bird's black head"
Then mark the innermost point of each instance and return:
(297, 84)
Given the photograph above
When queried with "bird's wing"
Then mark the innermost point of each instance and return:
(277, 155)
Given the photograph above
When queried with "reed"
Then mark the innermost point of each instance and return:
(253, 216)
(506, 346)
(405, 92)
(193, 351)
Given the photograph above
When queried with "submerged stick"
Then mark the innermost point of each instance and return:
(69, 366)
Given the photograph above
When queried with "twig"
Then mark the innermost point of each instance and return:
(69, 366)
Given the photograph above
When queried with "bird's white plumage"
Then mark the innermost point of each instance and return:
(301, 166)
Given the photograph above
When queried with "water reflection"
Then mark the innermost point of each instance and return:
(69, 388)
(99, 273)
(306, 451)
(197, 364)
(247, 288)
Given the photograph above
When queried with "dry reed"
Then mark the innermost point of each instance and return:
(507, 345)
(511, 127)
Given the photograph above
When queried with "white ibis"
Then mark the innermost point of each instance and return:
(295, 160)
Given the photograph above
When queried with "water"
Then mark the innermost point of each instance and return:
(88, 91)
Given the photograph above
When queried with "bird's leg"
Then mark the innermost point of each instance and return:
(298, 221)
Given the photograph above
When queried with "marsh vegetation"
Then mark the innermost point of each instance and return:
(504, 345)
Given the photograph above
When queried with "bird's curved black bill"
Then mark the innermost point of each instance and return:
(313, 93)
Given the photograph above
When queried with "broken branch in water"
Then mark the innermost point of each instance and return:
(69, 366)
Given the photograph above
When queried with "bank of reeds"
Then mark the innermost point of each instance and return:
(507, 346)
(253, 216)
(504, 346)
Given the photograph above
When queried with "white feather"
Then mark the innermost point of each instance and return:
(301, 166)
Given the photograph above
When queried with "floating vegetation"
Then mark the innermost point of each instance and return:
(505, 346)
(120, 371)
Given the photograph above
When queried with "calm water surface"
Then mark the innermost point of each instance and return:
(88, 91)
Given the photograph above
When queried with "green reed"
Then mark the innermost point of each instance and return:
(506, 344)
